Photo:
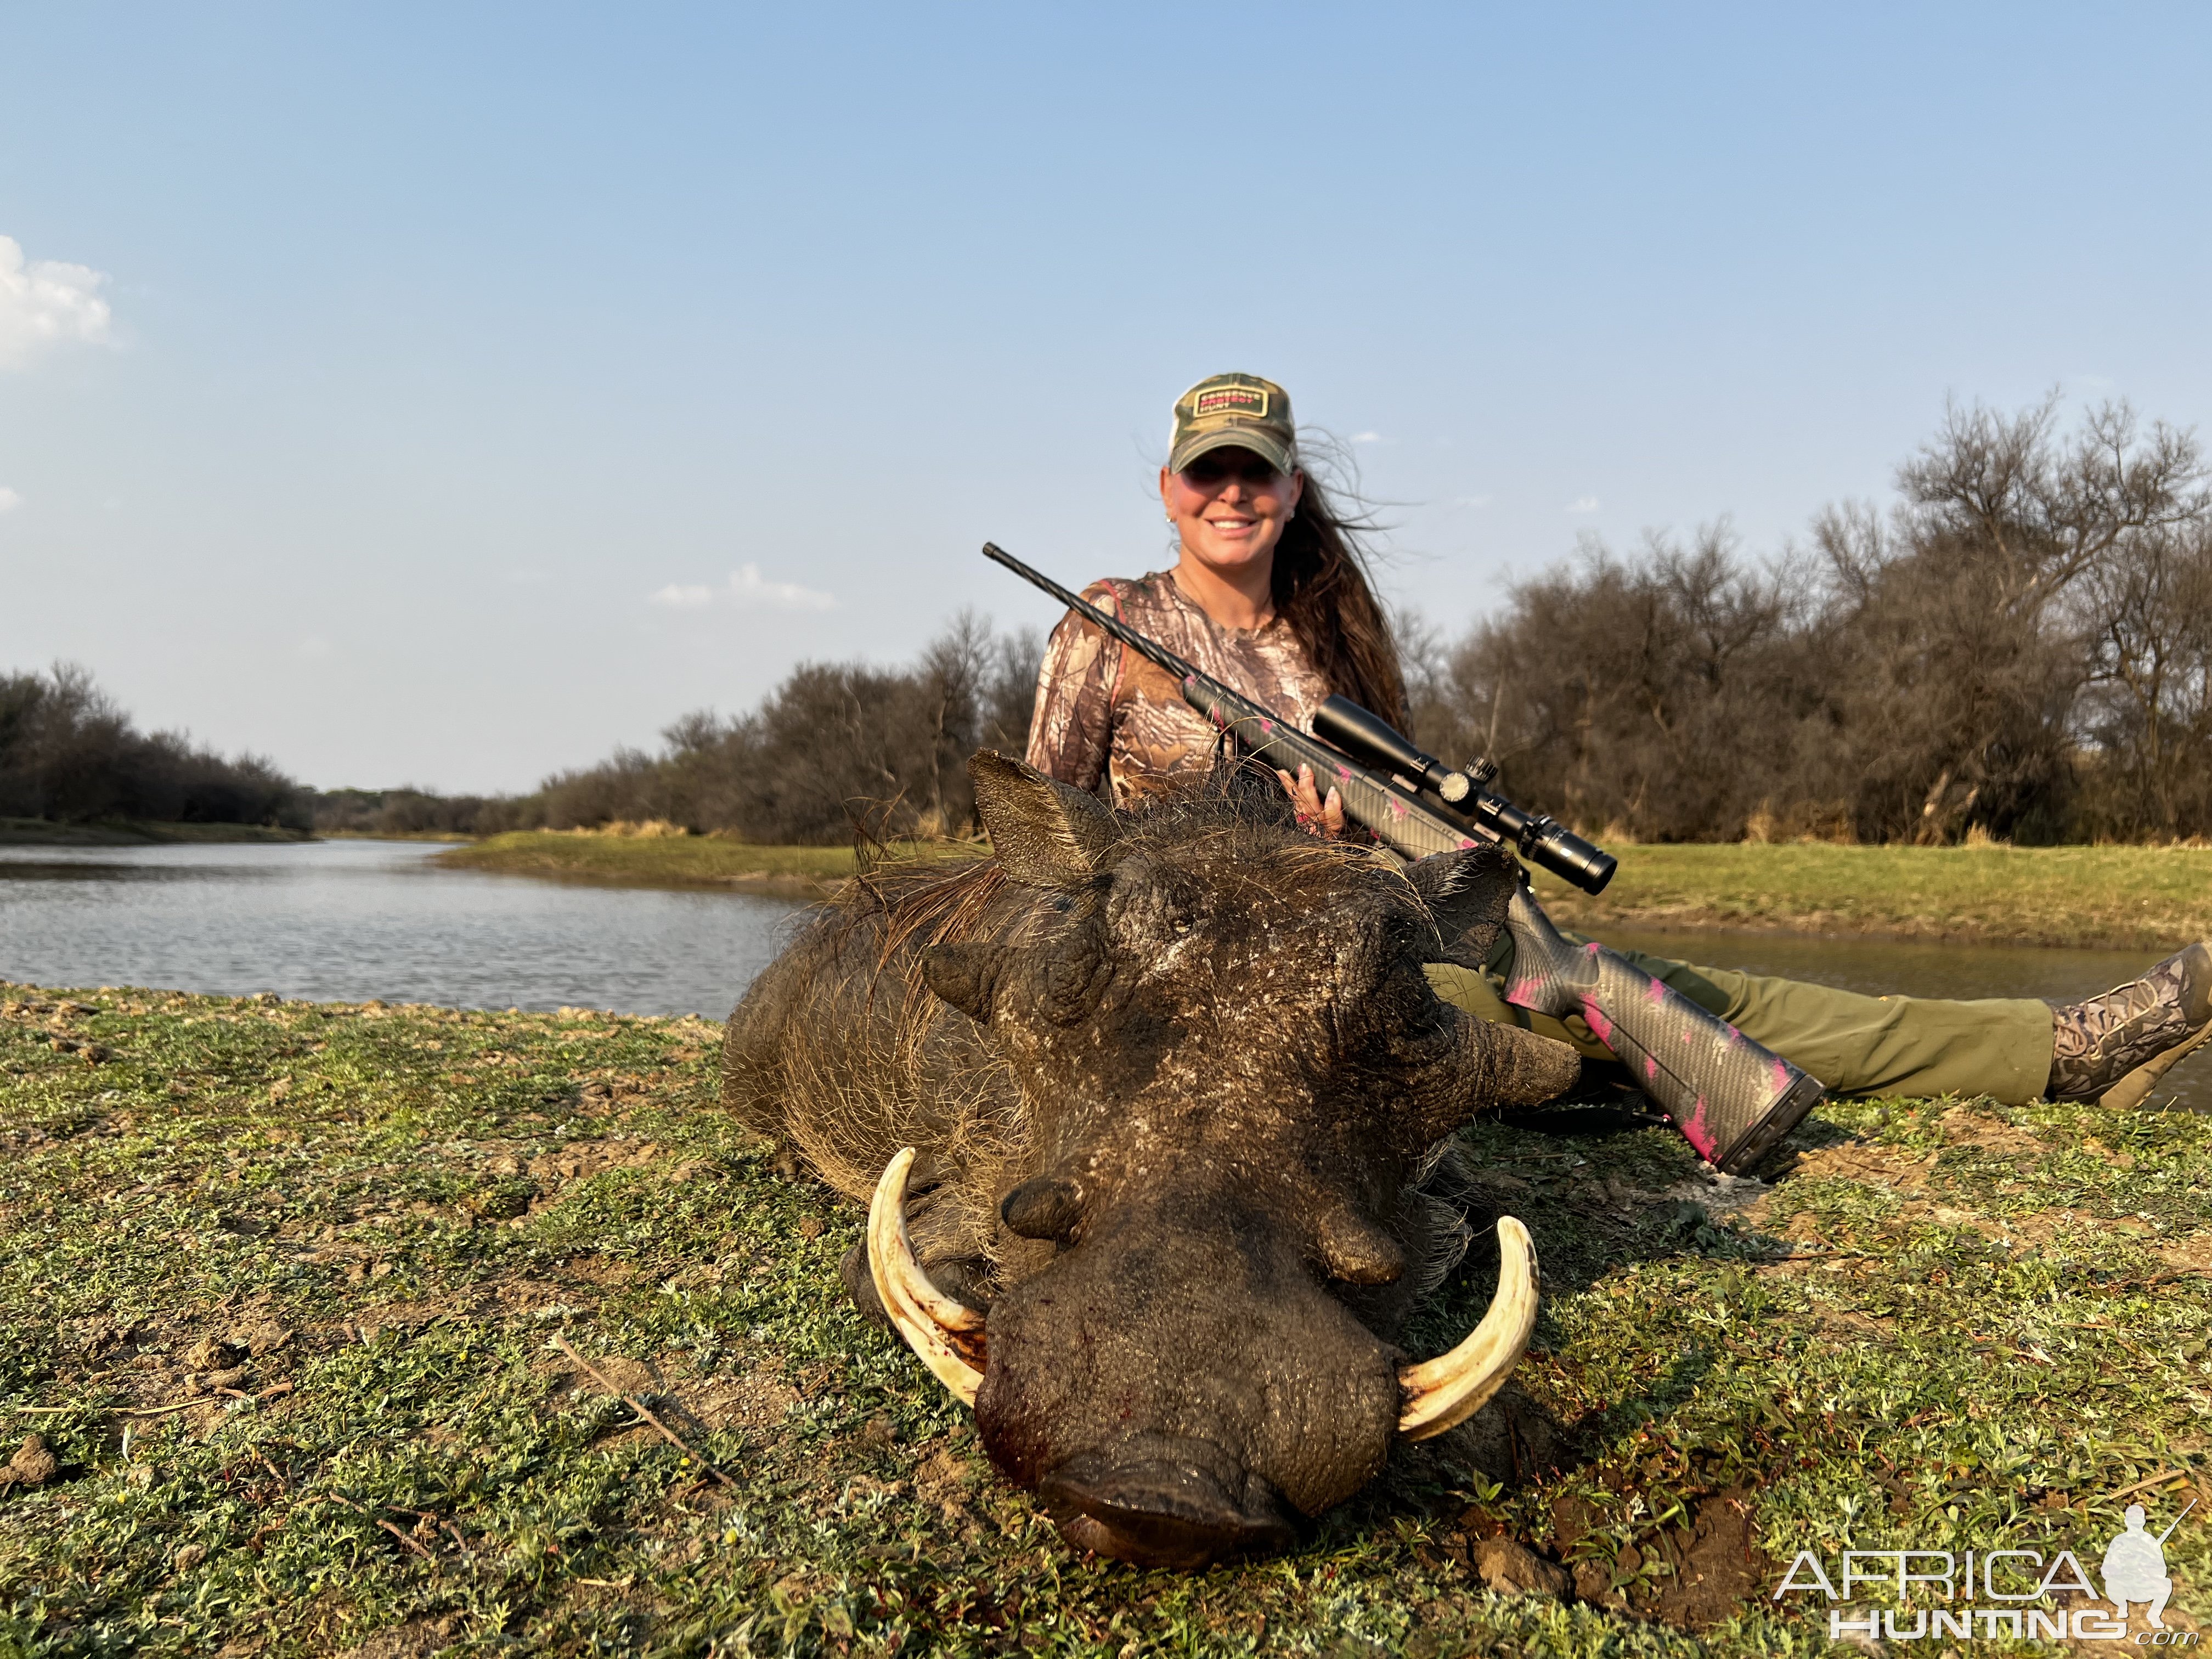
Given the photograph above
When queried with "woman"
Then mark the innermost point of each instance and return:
(1268, 595)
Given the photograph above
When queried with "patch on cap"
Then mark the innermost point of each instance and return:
(1241, 411)
(1230, 400)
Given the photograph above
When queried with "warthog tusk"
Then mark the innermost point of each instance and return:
(947, 1335)
(1449, 1389)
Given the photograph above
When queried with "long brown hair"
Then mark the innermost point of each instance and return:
(1320, 589)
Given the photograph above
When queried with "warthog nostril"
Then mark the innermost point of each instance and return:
(1148, 1505)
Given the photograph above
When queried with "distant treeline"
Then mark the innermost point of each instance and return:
(2022, 648)
(68, 754)
(839, 750)
(836, 749)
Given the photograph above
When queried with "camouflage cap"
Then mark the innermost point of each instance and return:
(1238, 411)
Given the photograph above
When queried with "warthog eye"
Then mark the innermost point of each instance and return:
(1045, 1207)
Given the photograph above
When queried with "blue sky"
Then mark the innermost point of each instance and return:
(438, 341)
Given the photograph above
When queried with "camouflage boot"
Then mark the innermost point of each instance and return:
(2113, 1048)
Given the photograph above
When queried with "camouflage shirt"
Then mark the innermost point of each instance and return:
(1103, 713)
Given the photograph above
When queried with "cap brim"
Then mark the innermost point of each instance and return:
(1282, 457)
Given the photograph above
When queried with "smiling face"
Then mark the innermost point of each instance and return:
(1230, 507)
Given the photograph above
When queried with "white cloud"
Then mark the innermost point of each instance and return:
(1369, 438)
(1583, 504)
(746, 586)
(1470, 500)
(44, 302)
(746, 590)
(313, 647)
(682, 599)
(9, 498)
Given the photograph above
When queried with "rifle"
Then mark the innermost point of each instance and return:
(1730, 1097)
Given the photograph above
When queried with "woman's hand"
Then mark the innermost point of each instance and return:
(1323, 817)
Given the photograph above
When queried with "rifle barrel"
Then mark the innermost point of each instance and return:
(1151, 651)
(1346, 745)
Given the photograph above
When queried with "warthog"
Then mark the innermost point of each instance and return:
(1168, 1082)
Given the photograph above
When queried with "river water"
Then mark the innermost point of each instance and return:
(347, 920)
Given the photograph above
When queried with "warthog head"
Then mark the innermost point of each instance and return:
(1234, 1065)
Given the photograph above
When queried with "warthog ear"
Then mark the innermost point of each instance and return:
(961, 974)
(1046, 833)
(1487, 1066)
(1468, 893)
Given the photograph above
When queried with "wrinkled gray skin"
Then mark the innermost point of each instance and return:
(1171, 1140)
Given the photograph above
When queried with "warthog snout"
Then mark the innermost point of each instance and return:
(1275, 1401)
(1163, 1502)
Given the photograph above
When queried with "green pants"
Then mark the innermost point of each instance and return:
(1854, 1044)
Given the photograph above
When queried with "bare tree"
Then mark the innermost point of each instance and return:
(2013, 647)
(2147, 620)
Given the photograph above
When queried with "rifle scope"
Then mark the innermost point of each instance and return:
(1544, 842)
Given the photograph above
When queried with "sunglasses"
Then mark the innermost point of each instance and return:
(1220, 465)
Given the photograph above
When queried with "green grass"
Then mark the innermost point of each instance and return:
(133, 832)
(2126, 897)
(453, 836)
(1947, 1325)
(674, 860)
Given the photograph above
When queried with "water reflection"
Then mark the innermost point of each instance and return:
(346, 920)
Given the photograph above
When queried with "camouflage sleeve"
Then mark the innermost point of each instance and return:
(1071, 733)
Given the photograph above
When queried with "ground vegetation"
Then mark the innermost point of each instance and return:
(357, 1328)
(2147, 898)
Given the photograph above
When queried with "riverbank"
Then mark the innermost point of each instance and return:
(678, 860)
(296, 1298)
(136, 832)
(2121, 897)
(2151, 899)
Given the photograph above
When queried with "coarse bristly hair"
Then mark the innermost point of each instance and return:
(935, 901)
(863, 1082)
